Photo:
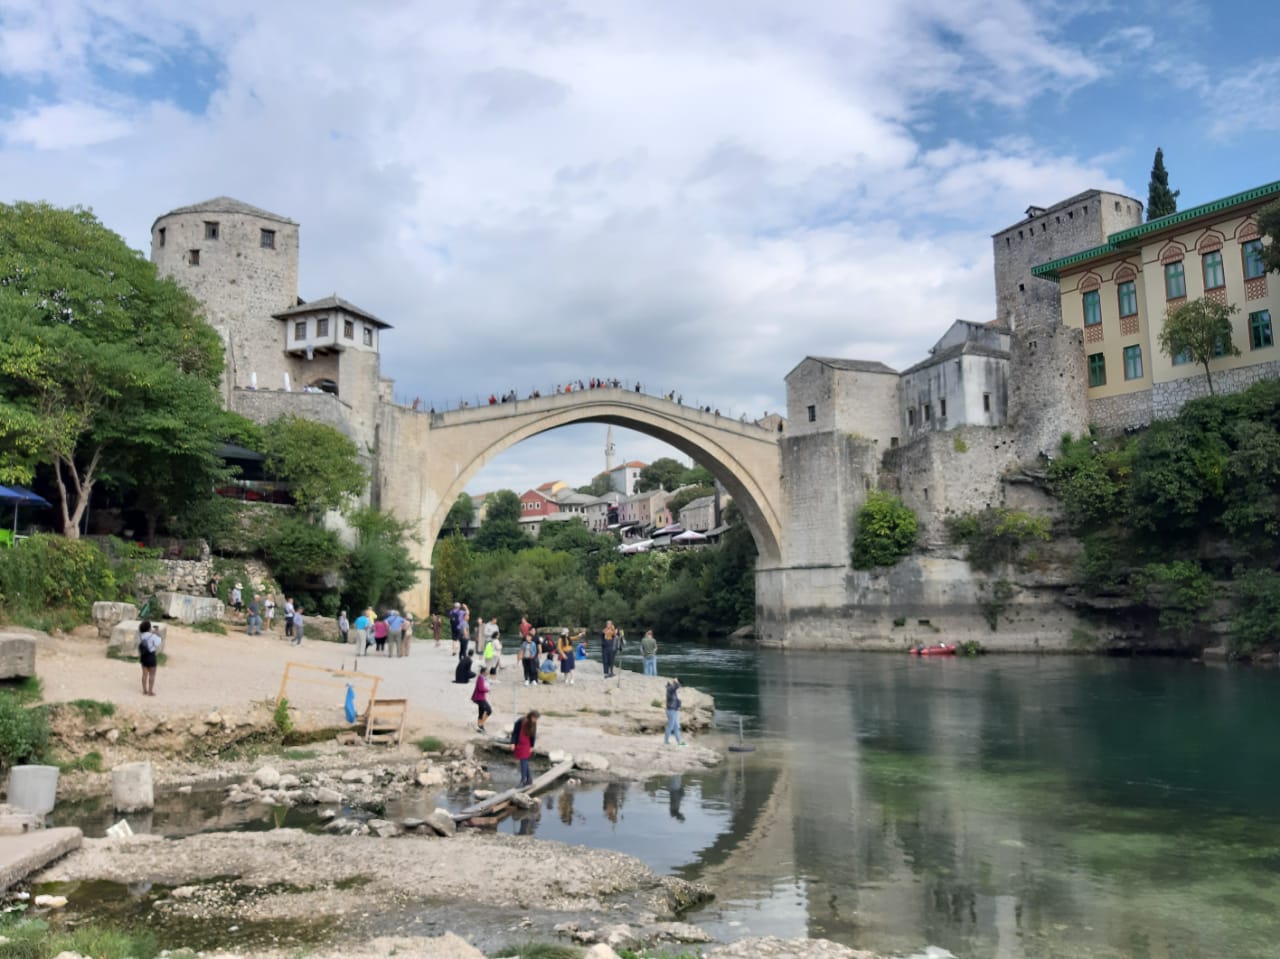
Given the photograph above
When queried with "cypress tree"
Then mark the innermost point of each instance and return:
(1161, 201)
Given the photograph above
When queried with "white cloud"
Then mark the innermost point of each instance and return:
(64, 126)
(694, 196)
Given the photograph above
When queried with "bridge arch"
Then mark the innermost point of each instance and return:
(432, 457)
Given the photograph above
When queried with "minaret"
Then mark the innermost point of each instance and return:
(608, 451)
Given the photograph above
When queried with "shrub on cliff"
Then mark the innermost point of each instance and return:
(46, 572)
(887, 531)
(995, 536)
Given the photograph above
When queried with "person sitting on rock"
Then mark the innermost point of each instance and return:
(547, 674)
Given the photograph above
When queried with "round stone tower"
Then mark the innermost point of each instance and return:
(241, 262)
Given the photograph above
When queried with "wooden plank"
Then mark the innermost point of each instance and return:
(504, 798)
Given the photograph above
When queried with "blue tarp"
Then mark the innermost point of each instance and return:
(20, 496)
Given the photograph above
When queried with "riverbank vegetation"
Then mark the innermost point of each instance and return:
(1188, 503)
(571, 575)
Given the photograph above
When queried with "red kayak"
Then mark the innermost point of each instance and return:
(942, 649)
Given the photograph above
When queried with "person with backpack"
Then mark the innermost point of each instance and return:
(673, 713)
(524, 735)
(149, 644)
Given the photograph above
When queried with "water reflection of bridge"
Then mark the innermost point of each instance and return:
(854, 826)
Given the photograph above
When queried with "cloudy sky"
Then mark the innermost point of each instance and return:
(693, 195)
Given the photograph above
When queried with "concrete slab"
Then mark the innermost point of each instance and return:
(17, 656)
(20, 856)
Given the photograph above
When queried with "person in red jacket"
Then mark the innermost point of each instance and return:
(523, 737)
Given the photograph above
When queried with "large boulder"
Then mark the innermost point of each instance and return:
(124, 634)
(17, 656)
(189, 609)
(106, 615)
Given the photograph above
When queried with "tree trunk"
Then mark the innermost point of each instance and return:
(1209, 378)
(73, 502)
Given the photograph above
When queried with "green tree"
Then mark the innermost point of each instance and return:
(501, 528)
(663, 473)
(462, 514)
(1201, 330)
(301, 552)
(451, 562)
(380, 566)
(598, 486)
(886, 533)
(104, 367)
(1161, 201)
(321, 465)
(1269, 225)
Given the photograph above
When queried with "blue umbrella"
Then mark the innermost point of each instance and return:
(19, 496)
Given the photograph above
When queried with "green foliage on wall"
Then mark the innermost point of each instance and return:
(886, 531)
(49, 572)
(996, 535)
(1164, 512)
(320, 464)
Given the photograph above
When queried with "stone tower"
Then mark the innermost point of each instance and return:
(1048, 384)
(608, 450)
(241, 262)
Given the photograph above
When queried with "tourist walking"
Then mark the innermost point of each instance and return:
(528, 657)
(456, 618)
(344, 627)
(253, 625)
(480, 696)
(649, 653)
(288, 617)
(673, 713)
(149, 644)
(297, 626)
(406, 634)
(395, 632)
(524, 736)
(237, 597)
(608, 648)
(380, 630)
(269, 612)
(436, 627)
(362, 633)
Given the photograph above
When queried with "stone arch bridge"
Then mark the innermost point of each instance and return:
(427, 459)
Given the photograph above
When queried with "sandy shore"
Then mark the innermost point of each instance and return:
(489, 888)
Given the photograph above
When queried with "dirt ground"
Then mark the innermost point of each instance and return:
(214, 688)
(620, 719)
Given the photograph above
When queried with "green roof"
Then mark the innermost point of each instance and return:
(1115, 241)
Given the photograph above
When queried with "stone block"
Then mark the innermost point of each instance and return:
(124, 634)
(106, 615)
(17, 656)
(33, 787)
(21, 856)
(131, 787)
(14, 821)
(189, 609)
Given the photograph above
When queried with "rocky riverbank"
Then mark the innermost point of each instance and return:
(344, 892)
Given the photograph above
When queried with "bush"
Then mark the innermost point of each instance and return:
(24, 733)
(1257, 611)
(996, 536)
(1180, 590)
(430, 744)
(209, 626)
(283, 721)
(89, 762)
(92, 709)
(48, 581)
(886, 531)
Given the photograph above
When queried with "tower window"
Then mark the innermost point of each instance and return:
(368, 336)
(813, 414)
(267, 239)
(986, 402)
(911, 417)
(928, 412)
(322, 326)
(210, 229)
(348, 329)
(300, 330)
(942, 408)
(193, 257)
(161, 232)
